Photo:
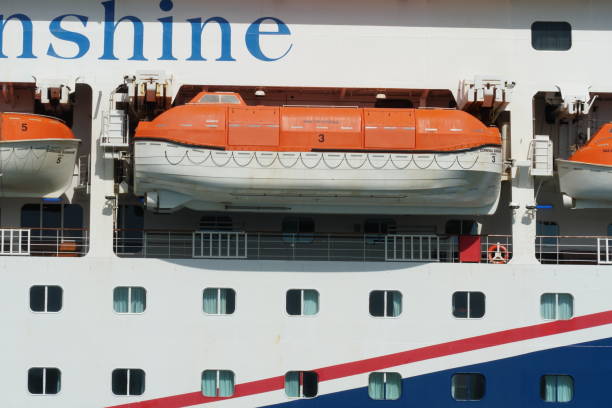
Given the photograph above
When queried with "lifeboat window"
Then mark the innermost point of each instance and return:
(385, 386)
(219, 301)
(301, 384)
(132, 299)
(385, 303)
(218, 383)
(44, 380)
(468, 386)
(220, 99)
(557, 388)
(298, 229)
(556, 306)
(302, 302)
(551, 36)
(46, 299)
(128, 381)
(468, 305)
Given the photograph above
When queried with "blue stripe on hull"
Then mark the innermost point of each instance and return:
(510, 383)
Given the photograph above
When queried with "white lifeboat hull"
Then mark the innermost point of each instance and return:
(174, 176)
(585, 185)
(37, 168)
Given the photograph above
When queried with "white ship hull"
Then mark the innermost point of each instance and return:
(37, 168)
(586, 185)
(174, 176)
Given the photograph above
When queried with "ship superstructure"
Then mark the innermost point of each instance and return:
(261, 253)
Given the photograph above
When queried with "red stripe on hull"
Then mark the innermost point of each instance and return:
(392, 360)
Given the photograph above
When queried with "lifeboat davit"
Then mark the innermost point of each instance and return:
(37, 156)
(585, 178)
(217, 153)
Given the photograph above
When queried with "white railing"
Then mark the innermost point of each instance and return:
(574, 250)
(56, 242)
(344, 247)
(412, 248)
(14, 242)
(604, 251)
(219, 244)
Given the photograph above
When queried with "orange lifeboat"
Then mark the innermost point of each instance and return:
(585, 178)
(37, 155)
(218, 153)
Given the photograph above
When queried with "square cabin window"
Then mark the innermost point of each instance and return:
(44, 380)
(219, 301)
(551, 36)
(46, 299)
(301, 384)
(218, 383)
(385, 303)
(298, 230)
(385, 386)
(556, 306)
(128, 381)
(468, 305)
(468, 386)
(302, 302)
(557, 388)
(129, 299)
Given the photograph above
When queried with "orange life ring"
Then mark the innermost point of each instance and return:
(498, 254)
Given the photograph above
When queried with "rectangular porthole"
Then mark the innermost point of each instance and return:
(385, 386)
(557, 388)
(218, 383)
(219, 301)
(556, 306)
(468, 305)
(128, 381)
(302, 302)
(129, 299)
(46, 299)
(301, 384)
(551, 36)
(385, 303)
(468, 386)
(44, 380)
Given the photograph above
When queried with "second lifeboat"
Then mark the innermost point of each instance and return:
(585, 177)
(217, 153)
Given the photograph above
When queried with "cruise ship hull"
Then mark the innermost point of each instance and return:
(37, 168)
(174, 176)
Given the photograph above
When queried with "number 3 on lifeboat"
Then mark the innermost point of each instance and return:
(498, 254)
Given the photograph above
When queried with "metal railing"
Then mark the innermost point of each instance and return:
(219, 244)
(14, 242)
(312, 246)
(575, 250)
(57, 242)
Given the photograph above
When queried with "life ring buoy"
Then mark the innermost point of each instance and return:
(498, 254)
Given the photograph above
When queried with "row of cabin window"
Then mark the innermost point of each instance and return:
(302, 302)
(302, 384)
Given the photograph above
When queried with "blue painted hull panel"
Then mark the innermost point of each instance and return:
(510, 383)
